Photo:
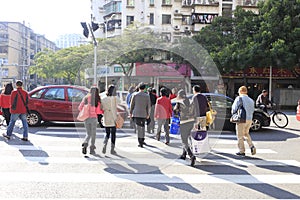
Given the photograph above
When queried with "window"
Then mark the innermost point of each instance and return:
(151, 2)
(55, 94)
(187, 2)
(129, 20)
(166, 2)
(166, 19)
(151, 19)
(4, 49)
(38, 94)
(3, 37)
(130, 2)
(186, 20)
(75, 95)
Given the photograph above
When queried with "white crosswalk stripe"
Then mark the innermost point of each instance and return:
(62, 150)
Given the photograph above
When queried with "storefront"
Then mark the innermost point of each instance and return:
(170, 75)
(258, 79)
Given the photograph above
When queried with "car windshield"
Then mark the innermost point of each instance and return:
(38, 94)
(75, 95)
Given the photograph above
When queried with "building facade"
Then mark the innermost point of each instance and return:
(18, 45)
(172, 18)
(70, 40)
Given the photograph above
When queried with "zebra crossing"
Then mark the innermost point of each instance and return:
(55, 157)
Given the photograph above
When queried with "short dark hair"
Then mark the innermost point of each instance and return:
(163, 92)
(142, 86)
(197, 88)
(19, 83)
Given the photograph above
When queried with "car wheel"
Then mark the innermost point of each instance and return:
(256, 124)
(34, 118)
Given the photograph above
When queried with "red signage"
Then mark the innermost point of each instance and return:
(159, 69)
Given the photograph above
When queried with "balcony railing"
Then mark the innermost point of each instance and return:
(250, 2)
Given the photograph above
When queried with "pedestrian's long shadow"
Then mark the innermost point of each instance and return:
(137, 169)
(270, 134)
(28, 150)
(266, 189)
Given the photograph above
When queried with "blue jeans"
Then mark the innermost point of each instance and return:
(13, 119)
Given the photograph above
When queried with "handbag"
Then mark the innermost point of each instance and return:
(84, 113)
(175, 124)
(210, 115)
(240, 115)
(119, 121)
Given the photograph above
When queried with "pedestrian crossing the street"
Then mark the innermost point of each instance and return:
(54, 156)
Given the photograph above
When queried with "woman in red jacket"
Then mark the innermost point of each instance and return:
(5, 101)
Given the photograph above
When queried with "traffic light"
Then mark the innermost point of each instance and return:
(94, 26)
(85, 29)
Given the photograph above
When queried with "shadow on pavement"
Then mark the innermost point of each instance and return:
(237, 169)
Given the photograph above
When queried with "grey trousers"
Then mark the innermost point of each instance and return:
(91, 128)
(185, 131)
(140, 126)
(165, 124)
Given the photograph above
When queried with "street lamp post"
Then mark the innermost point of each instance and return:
(95, 54)
(106, 67)
(270, 84)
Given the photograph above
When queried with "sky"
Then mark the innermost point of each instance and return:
(51, 18)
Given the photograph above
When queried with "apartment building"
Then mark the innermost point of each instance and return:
(18, 45)
(172, 18)
(70, 40)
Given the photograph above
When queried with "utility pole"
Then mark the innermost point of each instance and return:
(95, 55)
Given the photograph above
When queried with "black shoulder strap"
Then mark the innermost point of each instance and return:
(241, 102)
(22, 98)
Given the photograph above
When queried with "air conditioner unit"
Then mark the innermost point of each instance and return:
(176, 11)
(187, 28)
(176, 27)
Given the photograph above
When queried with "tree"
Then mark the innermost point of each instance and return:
(68, 63)
(270, 38)
(227, 40)
(137, 44)
(277, 42)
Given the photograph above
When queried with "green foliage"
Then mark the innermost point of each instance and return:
(68, 63)
(137, 44)
(270, 38)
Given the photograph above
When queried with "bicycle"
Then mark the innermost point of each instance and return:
(278, 118)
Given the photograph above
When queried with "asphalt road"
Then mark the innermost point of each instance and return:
(51, 166)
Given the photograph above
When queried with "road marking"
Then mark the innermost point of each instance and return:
(234, 150)
(11, 177)
(158, 160)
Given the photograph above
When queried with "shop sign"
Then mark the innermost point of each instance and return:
(262, 73)
(159, 69)
(119, 69)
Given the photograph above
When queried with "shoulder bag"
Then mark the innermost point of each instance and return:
(210, 115)
(240, 115)
(85, 112)
(119, 120)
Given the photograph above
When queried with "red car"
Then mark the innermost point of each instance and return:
(58, 103)
(54, 103)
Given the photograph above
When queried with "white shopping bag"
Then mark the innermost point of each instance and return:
(199, 137)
